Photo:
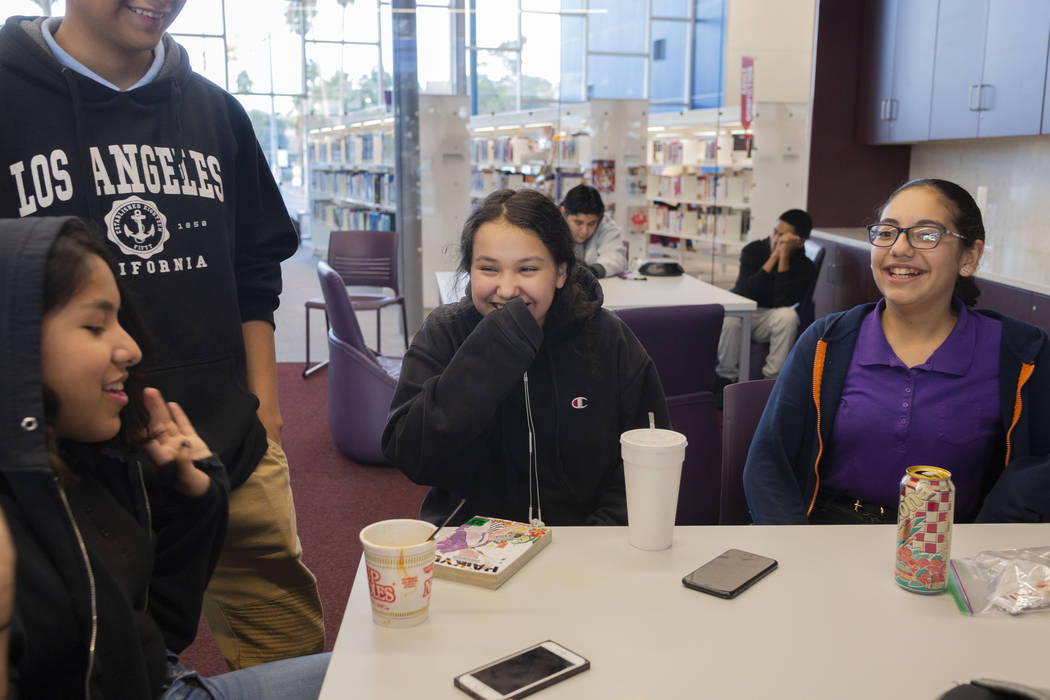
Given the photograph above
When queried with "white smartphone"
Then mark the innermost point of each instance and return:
(522, 673)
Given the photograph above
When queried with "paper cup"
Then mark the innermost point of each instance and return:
(652, 469)
(399, 563)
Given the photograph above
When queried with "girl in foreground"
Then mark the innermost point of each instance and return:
(112, 552)
(916, 379)
(515, 397)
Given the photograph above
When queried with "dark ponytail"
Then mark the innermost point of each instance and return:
(966, 217)
(967, 290)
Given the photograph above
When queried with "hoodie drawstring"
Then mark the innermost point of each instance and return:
(176, 102)
(534, 467)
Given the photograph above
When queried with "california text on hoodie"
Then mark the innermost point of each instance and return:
(458, 420)
(172, 174)
(782, 475)
(110, 564)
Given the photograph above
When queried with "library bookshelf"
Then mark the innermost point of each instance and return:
(698, 192)
(553, 149)
(354, 181)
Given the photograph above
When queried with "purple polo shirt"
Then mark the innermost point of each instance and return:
(943, 413)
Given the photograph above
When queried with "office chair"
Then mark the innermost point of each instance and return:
(360, 383)
(366, 259)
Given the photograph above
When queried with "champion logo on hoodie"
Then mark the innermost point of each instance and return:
(580, 402)
(137, 227)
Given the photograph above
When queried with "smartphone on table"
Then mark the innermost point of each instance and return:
(730, 573)
(522, 673)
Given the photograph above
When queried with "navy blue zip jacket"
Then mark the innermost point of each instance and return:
(782, 475)
(172, 175)
(78, 630)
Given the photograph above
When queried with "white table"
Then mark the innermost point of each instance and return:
(829, 623)
(622, 293)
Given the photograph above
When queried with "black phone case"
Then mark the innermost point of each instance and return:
(736, 591)
(521, 694)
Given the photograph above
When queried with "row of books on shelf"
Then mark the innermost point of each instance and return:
(510, 150)
(376, 188)
(354, 149)
(731, 186)
(724, 149)
(730, 225)
(481, 184)
(574, 148)
(343, 217)
(517, 149)
(491, 180)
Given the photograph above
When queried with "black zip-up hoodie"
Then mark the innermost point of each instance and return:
(173, 176)
(89, 623)
(458, 420)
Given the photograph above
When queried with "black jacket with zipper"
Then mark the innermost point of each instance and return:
(458, 420)
(78, 630)
(174, 178)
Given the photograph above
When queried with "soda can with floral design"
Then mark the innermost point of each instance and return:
(924, 529)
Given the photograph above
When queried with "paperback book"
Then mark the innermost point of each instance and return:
(488, 551)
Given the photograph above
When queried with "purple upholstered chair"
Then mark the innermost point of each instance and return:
(742, 408)
(360, 383)
(683, 342)
(364, 259)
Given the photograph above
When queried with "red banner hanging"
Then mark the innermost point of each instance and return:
(747, 91)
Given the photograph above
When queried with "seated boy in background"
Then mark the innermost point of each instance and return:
(599, 245)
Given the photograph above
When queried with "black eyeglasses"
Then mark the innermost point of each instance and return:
(921, 237)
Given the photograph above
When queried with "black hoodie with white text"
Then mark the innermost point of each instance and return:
(173, 177)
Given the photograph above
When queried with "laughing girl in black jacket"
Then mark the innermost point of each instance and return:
(515, 397)
(112, 552)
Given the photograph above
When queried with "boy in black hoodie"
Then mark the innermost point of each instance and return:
(110, 123)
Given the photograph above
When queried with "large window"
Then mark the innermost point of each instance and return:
(671, 55)
(289, 61)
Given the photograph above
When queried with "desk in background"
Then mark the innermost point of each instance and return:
(621, 293)
(829, 623)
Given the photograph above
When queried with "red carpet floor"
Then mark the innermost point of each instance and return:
(334, 499)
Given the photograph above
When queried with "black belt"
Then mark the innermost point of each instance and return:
(839, 509)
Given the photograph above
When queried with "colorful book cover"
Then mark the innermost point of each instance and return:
(488, 551)
(603, 174)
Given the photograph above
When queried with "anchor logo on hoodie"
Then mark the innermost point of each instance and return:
(137, 227)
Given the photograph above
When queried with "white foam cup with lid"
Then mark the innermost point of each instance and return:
(652, 468)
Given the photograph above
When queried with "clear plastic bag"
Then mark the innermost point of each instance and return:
(1012, 580)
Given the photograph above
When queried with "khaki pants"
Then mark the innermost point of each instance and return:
(262, 603)
(777, 326)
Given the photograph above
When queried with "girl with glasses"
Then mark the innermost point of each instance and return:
(918, 378)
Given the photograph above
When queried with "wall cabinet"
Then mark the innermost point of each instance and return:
(990, 68)
(1046, 101)
(952, 69)
(898, 66)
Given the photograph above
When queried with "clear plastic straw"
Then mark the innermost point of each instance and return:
(652, 421)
